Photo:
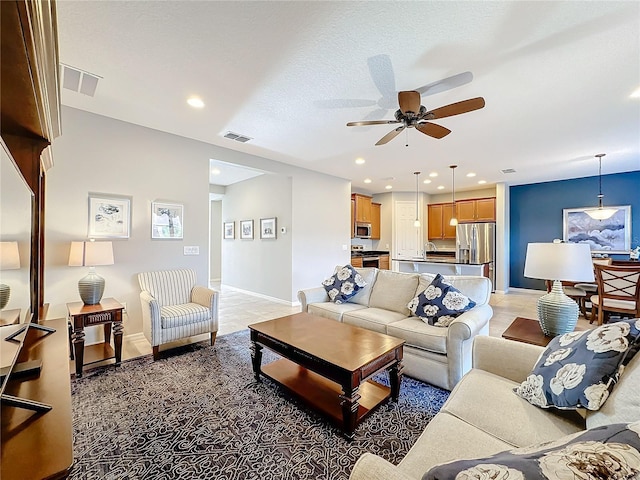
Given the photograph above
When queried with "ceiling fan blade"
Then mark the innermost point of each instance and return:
(409, 101)
(392, 134)
(371, 122)
(455, 108)
(446, 84)
(433, 130)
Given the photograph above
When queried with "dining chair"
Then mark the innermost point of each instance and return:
(618, 292)
(591, 288)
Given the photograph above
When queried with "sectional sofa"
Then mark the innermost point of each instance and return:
(433, 354)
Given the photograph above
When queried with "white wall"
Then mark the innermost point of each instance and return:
(99, 154)
(215, 242)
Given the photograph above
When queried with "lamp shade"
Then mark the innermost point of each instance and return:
(567, 262)
(90, 254)
(9, 256)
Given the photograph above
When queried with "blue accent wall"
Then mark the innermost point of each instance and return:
(535, 213)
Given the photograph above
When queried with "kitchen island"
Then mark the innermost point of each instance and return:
(442, 265)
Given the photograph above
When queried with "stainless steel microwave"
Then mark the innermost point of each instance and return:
(363, 230)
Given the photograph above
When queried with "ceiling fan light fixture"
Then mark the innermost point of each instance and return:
(600, 213)
(416, 223)
(454, 221)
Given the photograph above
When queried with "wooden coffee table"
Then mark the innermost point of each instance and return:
(328, 364)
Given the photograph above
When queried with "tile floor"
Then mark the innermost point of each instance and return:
(238, 309)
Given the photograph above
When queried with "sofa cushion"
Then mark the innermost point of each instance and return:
(364, 294)
(417, 333)
(375, 319)
(343, 284)
(334, 311)
(440, 303)
(393, 290)
(476, 287)
(611, 452)
(623, 404)
(486, 401)
(579, 369)
(173, 316)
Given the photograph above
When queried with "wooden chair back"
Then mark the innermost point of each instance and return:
(618, 283)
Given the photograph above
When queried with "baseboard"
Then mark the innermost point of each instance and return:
(265, 297)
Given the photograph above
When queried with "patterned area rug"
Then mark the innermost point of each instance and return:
(199, 414)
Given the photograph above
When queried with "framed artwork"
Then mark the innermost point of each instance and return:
(268, 227)
(246, 229)
(167, 220)
(109, 216)
(229, 230)
(612, 235)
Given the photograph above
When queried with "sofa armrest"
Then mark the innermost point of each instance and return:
(506, 358)
(150, 318)
(207, 298)
(312, 295)
(372, 467)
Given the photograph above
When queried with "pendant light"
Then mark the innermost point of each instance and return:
(600, 213)
(417, 222)
(454, 221)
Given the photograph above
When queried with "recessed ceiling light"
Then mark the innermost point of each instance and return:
(471, 174)
(388, 187)
(426, 180)
(636, 93)
(440, 187)
(482, 182)
(215, 171)
(433, 174)
(195, 102)
(359, 161)
(367, 180)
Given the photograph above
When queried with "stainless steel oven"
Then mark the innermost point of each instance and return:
(371, 262)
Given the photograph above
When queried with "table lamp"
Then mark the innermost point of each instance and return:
(91, 254)
(9, 260)
(568, 262)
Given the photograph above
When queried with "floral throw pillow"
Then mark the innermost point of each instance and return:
(611, 451)
(344, 284)
(440, 303)
(580, 369)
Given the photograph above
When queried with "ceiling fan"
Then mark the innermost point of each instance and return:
(411, 114)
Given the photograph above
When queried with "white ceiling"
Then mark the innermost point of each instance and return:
(556, 77)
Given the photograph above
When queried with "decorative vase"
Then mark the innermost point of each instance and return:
(557, 313)
(91, 287)
(5, 292)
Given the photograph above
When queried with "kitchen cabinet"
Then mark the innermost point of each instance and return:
(375, 221)
(476, 210)
(362, 207)
(384, 262)
(353, 217)
(439, 217)
(356, 262)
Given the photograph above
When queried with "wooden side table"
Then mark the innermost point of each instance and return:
(108, 312)
(526, 330)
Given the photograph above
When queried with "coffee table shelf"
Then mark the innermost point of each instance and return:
(321, 393)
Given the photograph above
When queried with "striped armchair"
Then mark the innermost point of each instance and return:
(174, 307)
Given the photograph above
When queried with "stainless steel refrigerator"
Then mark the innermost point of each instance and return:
(476, 245)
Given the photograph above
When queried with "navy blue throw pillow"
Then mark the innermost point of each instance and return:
(440, 303)
(344, 284)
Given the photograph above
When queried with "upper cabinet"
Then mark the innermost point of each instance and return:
(439, 217)
(363, 208)
(375, 221)
(476, 210)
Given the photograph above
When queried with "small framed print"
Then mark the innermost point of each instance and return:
(109, 216)
(167, 220)
(229, 230)
(246, 229)
(268, 227)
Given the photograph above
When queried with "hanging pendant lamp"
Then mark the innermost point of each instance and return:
(600, 213)
(417, 222)
(454, 221)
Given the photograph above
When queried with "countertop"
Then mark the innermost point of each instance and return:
(431, 259)
(368, 253)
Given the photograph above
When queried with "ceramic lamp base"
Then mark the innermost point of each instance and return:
(557, 313)
(91, 288)
(5, 292)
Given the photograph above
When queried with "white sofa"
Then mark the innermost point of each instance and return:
(437, 355)
(483, 416)
(174, 307)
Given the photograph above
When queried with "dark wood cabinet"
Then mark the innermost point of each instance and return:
(362, 207)
(476, 210)
(438, 224)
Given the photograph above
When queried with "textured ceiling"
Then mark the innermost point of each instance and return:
(556, 77)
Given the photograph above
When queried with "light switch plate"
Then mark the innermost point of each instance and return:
(192, 250)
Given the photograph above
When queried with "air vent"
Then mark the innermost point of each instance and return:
(237, 137)
(508, 170)
(79, 80)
